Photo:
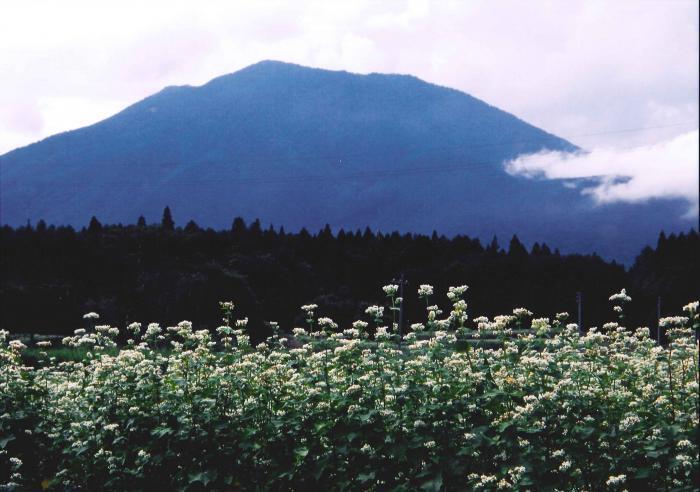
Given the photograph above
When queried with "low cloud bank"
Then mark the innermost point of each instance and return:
(665, 170)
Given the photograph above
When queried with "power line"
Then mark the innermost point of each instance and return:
(630, 130)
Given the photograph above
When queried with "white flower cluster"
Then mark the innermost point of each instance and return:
(425, 290)
(360, 325)
(673, 321)
(390, 290)
(153, 329)
(375, 312)
(300, 332)
(620, 297)
(327, 324)
(179, 384)
(16, 345)
(616, 480)
(541, 325)
(417, 326)
(309, 309)
(691, 307)
(382, 333)
(134, 328)
(433, 313)
(521, 313)
(455, 293)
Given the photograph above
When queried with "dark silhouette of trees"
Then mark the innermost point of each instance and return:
(516, 248)
(94, 227)
(493, 247)
(167, 223)
(191, 227)
(238, 228)
(669, 272)
(51, 275)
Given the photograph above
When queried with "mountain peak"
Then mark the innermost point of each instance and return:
(272, 63)
(302, 147)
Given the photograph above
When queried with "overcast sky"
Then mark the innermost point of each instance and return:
(574, 68)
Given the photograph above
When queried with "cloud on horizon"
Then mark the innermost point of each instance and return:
(666, 170)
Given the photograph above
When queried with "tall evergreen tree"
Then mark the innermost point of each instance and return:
(238, 228)
(516, 248)
(662, 240)
(255, 229)
(493, 247)
(326, 232)
(167, 222)
(191, 227)
(94, 227)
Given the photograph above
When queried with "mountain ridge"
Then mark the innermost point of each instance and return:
(302, 147)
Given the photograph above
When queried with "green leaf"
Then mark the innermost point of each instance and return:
(657, 452)
(5, 440)
(161, 431)
(203, 477)
(81, 450)
(366, 477)
(587, 431)
(503, 426)
(434, 484)
(366, 417)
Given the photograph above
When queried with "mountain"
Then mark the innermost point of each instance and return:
(302, 147)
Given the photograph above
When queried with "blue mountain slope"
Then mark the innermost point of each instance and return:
(303, 147)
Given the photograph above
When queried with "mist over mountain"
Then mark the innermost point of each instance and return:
(301, 147)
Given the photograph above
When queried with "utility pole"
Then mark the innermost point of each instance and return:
(658, 318)
(579, 303)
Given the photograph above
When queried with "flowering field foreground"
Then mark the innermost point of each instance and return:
(548, 409)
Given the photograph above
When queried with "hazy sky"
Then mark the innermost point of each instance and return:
(574, 68)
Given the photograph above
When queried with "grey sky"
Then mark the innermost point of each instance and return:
(571, 67)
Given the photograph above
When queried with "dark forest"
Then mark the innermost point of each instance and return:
(52, 275)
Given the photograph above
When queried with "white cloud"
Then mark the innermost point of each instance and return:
(664, 170)
(571, 67)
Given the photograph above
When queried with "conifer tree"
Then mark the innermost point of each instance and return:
(516, 248)
(94, 227)
(167, 222)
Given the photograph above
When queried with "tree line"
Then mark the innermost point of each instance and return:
(52, 275)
